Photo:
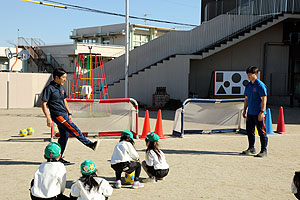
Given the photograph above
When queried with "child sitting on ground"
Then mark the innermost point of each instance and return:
(155, 164)
(126, 159)
(89, 186)
(50, 178)
(296, 185)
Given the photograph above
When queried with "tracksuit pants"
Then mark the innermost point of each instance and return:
(127, 167)
(65, 126)
(251, 122)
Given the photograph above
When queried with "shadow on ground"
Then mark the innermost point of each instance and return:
(193, 152)
(22, 139)
(17, 162)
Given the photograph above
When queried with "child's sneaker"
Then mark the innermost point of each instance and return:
(94, 145)
(118, 184)
(149, 180)
(137, 184)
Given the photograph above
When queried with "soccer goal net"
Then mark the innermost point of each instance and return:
(209, 116)
(105, 117)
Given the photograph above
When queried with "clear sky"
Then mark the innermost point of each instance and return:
(54, 25)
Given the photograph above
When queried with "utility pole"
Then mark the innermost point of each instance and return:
(126, 48)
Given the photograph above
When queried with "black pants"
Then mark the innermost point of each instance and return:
(127, 167)
(58, 197)
(158, 173)
(251, 122)
(297, 195)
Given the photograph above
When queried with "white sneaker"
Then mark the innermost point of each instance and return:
(137, 184)
(118, 184)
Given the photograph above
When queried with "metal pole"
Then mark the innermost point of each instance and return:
(7, 97)
(293, 6)
(260, 7)
(126, 48)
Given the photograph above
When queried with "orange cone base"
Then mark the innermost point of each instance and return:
(282, 132)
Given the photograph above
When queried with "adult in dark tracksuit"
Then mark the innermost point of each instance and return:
(54, 96)
(255, 101)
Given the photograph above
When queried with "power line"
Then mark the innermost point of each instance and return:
(76, 7)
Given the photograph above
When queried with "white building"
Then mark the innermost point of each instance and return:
(115, 34)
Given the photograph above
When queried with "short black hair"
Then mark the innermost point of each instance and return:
(251, 69)
(58, 72)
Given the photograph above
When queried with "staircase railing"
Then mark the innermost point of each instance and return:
(42, 60)
(220, 28)
(27, 46)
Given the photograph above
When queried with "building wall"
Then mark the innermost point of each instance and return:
(24, 89)
(172, 74)
(238, 57)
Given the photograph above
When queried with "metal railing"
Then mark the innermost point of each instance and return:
(42, 60)
(23, 42)
(219, 29)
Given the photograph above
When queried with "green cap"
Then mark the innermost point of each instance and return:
(52, 150)
(152, 137)
(127, 133)
(87, 167)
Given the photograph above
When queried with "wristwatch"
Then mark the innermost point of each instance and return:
(262, 111)
(69, 114)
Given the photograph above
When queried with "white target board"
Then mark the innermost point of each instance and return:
(230, 83)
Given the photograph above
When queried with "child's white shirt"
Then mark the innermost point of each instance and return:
(49, 180)
(79, 190)
(123, 152)
(153, 160)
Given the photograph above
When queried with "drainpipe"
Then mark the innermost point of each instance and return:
(7, 100)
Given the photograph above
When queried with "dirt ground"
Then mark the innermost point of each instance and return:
(204, 166)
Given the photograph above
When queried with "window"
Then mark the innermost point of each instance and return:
(106, 40)
(139, 39)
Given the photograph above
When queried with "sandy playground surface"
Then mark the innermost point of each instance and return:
(204, 166)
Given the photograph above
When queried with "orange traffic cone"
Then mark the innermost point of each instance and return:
(280, 123)
(146, 127)
(158, 126)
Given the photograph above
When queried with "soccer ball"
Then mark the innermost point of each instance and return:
(55, 130)
(129, 178)
(30, 131)
(23, 132)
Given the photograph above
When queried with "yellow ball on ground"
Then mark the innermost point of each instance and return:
(30, 131)
(23, 132)
(129, 178)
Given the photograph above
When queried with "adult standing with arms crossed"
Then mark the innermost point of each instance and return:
(54, 97)
(255, 101)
